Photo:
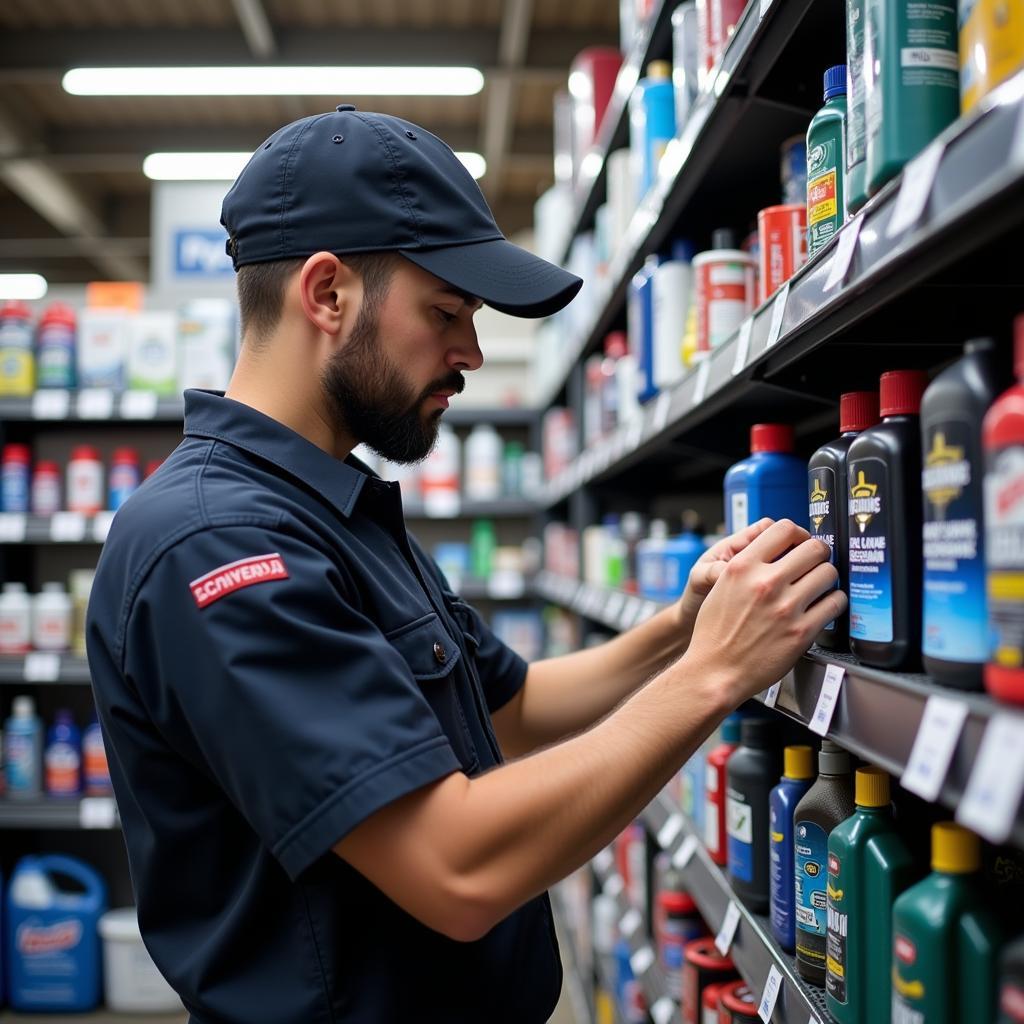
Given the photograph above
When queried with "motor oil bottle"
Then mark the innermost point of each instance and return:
(827, 491)
(869, 865)
(714, 789)
(1003, 440)
(944, 940)
(827, 803)
(826, 164)
(770, 482)
(855, 186)
(749, 774)
(797, 776)
(955, 634)
(1011, 984)
(884, 471)
(911, 80)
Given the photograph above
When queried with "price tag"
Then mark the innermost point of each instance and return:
(765, 5)
(743, 345)
(138, 405)
(771, 695)
(630, 613)
(613, 886)
(97, 812)
(649, 609)
(685, 853)
(604, 861)
(915, 188)
(662, 407)
(670, 830)
(990, 802)
(630, 923)
(67, 527)
(12, 528)
(723, 940)
(95, 404)
(51, 404)
(663, 1011)
(827, 700)
(641, 961)
(936, 739)
(101, 526)
(770, 995)
(778, 314)
(813, 1020)
(613, 609)
(700, 386)
(42, 667)
(843, 255)
(634, 433)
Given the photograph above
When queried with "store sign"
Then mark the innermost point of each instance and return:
(187, 241)
(201, 252)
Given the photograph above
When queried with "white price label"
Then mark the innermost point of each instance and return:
(771, 695)
(915, 188)
(778, 315)
(604, 861)
(842, 258)
(12, 528)
(770, 995)
(613, 609)
(700, 387)
(630, 923)
(641, 961)
(990, 802)
(723, 940)
(51, 404)
(668, 832)
(685, 853)
(663, 1011)
(813, 1020)
(95, 404)
(934, 745)
(441, 505)
(97, 812)
(613, 886)
(827, 700)
(67, 527)
(649, 609)
(101, 526)
(743, 345)
(765, 5)
(138, 405)
(630, 613)
(42, 667)
(634, 433)
(662, 407)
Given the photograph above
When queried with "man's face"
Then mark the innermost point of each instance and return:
(389, 385)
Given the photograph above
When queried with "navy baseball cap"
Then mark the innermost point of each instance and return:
(349, 182)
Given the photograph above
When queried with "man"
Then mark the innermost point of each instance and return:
(343, 797)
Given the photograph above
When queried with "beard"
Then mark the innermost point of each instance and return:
(373, 401)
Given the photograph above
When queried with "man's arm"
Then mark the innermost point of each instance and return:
(461, 854)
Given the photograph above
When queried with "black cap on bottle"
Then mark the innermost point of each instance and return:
(757, 732)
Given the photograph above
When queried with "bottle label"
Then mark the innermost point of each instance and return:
(1004, 542)
(856, 118)
(21, 768)
(824, 215)
(870, 568)
(821, 511)
(838, 923)
(63, 769)
(739, 825)
(811, 853)
(739, 511)
(778, 867)
(955, 612)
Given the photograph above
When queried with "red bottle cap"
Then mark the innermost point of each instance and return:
(1018, 345)
(616, 345)
(704, 953)
(85, 452)
(771, 437)
(900, 392)
(153, 465)
(15, 309)
(737, 998)
(673, 902)
(712, 994)
(17, 453)
(48, 467)
(58, 313)
(125, 457)
(858, 410)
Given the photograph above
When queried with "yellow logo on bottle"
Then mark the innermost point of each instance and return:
(946, 473)
(864, 502)
(819, 504)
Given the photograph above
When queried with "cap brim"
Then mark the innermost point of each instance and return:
(505, 276)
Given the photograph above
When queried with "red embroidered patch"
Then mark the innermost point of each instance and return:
(228, 578)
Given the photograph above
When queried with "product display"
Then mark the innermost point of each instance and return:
(704, 966)
(715, 783)
(826, 164)
(797, 777)
(770, 482)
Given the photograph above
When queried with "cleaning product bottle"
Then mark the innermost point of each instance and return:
(991, 46)
(55, 347)
(855, 186)
(827, 491)
(714, 789)
(17, 361)
(869, 865)
(944, 940)
(884, 471)
(911, 80)
(827, 803)
(483, 464)
(771, 482)
(797, 776)
(63, 757)
(23, 751)
(671, 299)
(679, 556)
(749, 773)
(1003, 439)
(826, 163)
(640, 320)
(652, 121)
(955, 634)
(95, 770)
(1011, 984)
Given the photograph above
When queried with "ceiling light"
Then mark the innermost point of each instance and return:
(22, 286)
(274, 81)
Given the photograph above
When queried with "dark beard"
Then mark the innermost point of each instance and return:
(374, 403)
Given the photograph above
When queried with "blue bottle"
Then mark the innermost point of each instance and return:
(771, 482)
(678, 558)
(640, 321)
(23, 751)
(62, 759)
(652, 116)
(797, 777)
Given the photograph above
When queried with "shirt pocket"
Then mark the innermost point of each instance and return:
(432, 656)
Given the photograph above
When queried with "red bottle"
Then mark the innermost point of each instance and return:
(714, 788)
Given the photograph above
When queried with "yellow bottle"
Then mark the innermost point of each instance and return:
(17, 362)
(991, 46)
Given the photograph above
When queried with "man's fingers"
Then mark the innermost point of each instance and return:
(803, 558)
(774, 541)
(827, 608)
(819, 580)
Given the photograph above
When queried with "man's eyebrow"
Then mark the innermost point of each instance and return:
(470, 300)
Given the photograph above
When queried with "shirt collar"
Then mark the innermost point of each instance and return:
(210, 414)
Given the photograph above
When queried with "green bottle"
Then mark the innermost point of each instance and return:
(481, 549)
(869, 865)
(944, 941)
(826, 163)
(911, 80)
(856, 185)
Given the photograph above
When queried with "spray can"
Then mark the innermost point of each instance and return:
(796, 780)
(826, 163)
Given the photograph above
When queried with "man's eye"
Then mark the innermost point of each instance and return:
(447, 317)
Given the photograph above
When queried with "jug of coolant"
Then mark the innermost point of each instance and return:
(51, 935)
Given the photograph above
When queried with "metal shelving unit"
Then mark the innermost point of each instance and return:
(97, 1017)
(44, 667)
(99, 812)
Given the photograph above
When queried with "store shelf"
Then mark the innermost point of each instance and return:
(56, 813)
(61, 528)
(98, 1017)
(502, 508)
(93, 405)
(43, 667)
(611, 608)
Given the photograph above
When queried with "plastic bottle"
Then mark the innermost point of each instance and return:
(944, 940)
(714, 789)
(855, 185)
(827, 803)
(1011, 984)
(771, 482)
(1003, 439)
(483, 463)
(671, 297)
(738, 1004)
(512, 469)
(23, 751)
(677, 922)
(640, 319)
(615, 347)
(125, 477)
(911, 80)
(650, 561)
(797, 776)
(17, 364)
(679, 556)
(684, 60)
(955, 640)
(652, 121)
(869, 865)
(55, 347)
(827, 492)
(704, 967)
(46, 496)
(15, 473)
(51, 619)
(481, 548)
(15, 619)
(62, 758)
(826, 164)
(440, 480)
(991, 49)
(884, 470)
(750, 770)
(95, 770)
(85, 480)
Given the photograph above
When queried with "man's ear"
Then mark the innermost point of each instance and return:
(328, 290)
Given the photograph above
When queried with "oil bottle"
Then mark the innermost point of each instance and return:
(797, 777)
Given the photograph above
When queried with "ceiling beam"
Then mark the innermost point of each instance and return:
(259, 36)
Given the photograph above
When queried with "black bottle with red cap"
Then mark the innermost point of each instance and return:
(884, 475)
(827, 492)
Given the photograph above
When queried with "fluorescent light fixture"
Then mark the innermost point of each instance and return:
(22, 286)
(274, 81)
(227, 166)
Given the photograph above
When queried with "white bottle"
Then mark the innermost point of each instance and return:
(15, 619)
(483, 463)
(671, 295)
(440, 479)
(51, 619)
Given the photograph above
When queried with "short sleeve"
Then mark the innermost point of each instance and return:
(246, 650)
(502, 671)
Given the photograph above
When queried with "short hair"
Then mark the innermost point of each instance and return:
(261, 288)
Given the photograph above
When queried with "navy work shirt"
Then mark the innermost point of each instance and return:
(274, 658)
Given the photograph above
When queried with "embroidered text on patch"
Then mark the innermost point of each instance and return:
(228, 578)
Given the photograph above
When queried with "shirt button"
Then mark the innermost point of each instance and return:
(440, 653)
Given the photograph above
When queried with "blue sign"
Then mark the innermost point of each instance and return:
(199, 252)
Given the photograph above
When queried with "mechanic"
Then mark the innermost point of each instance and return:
(343, 797)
